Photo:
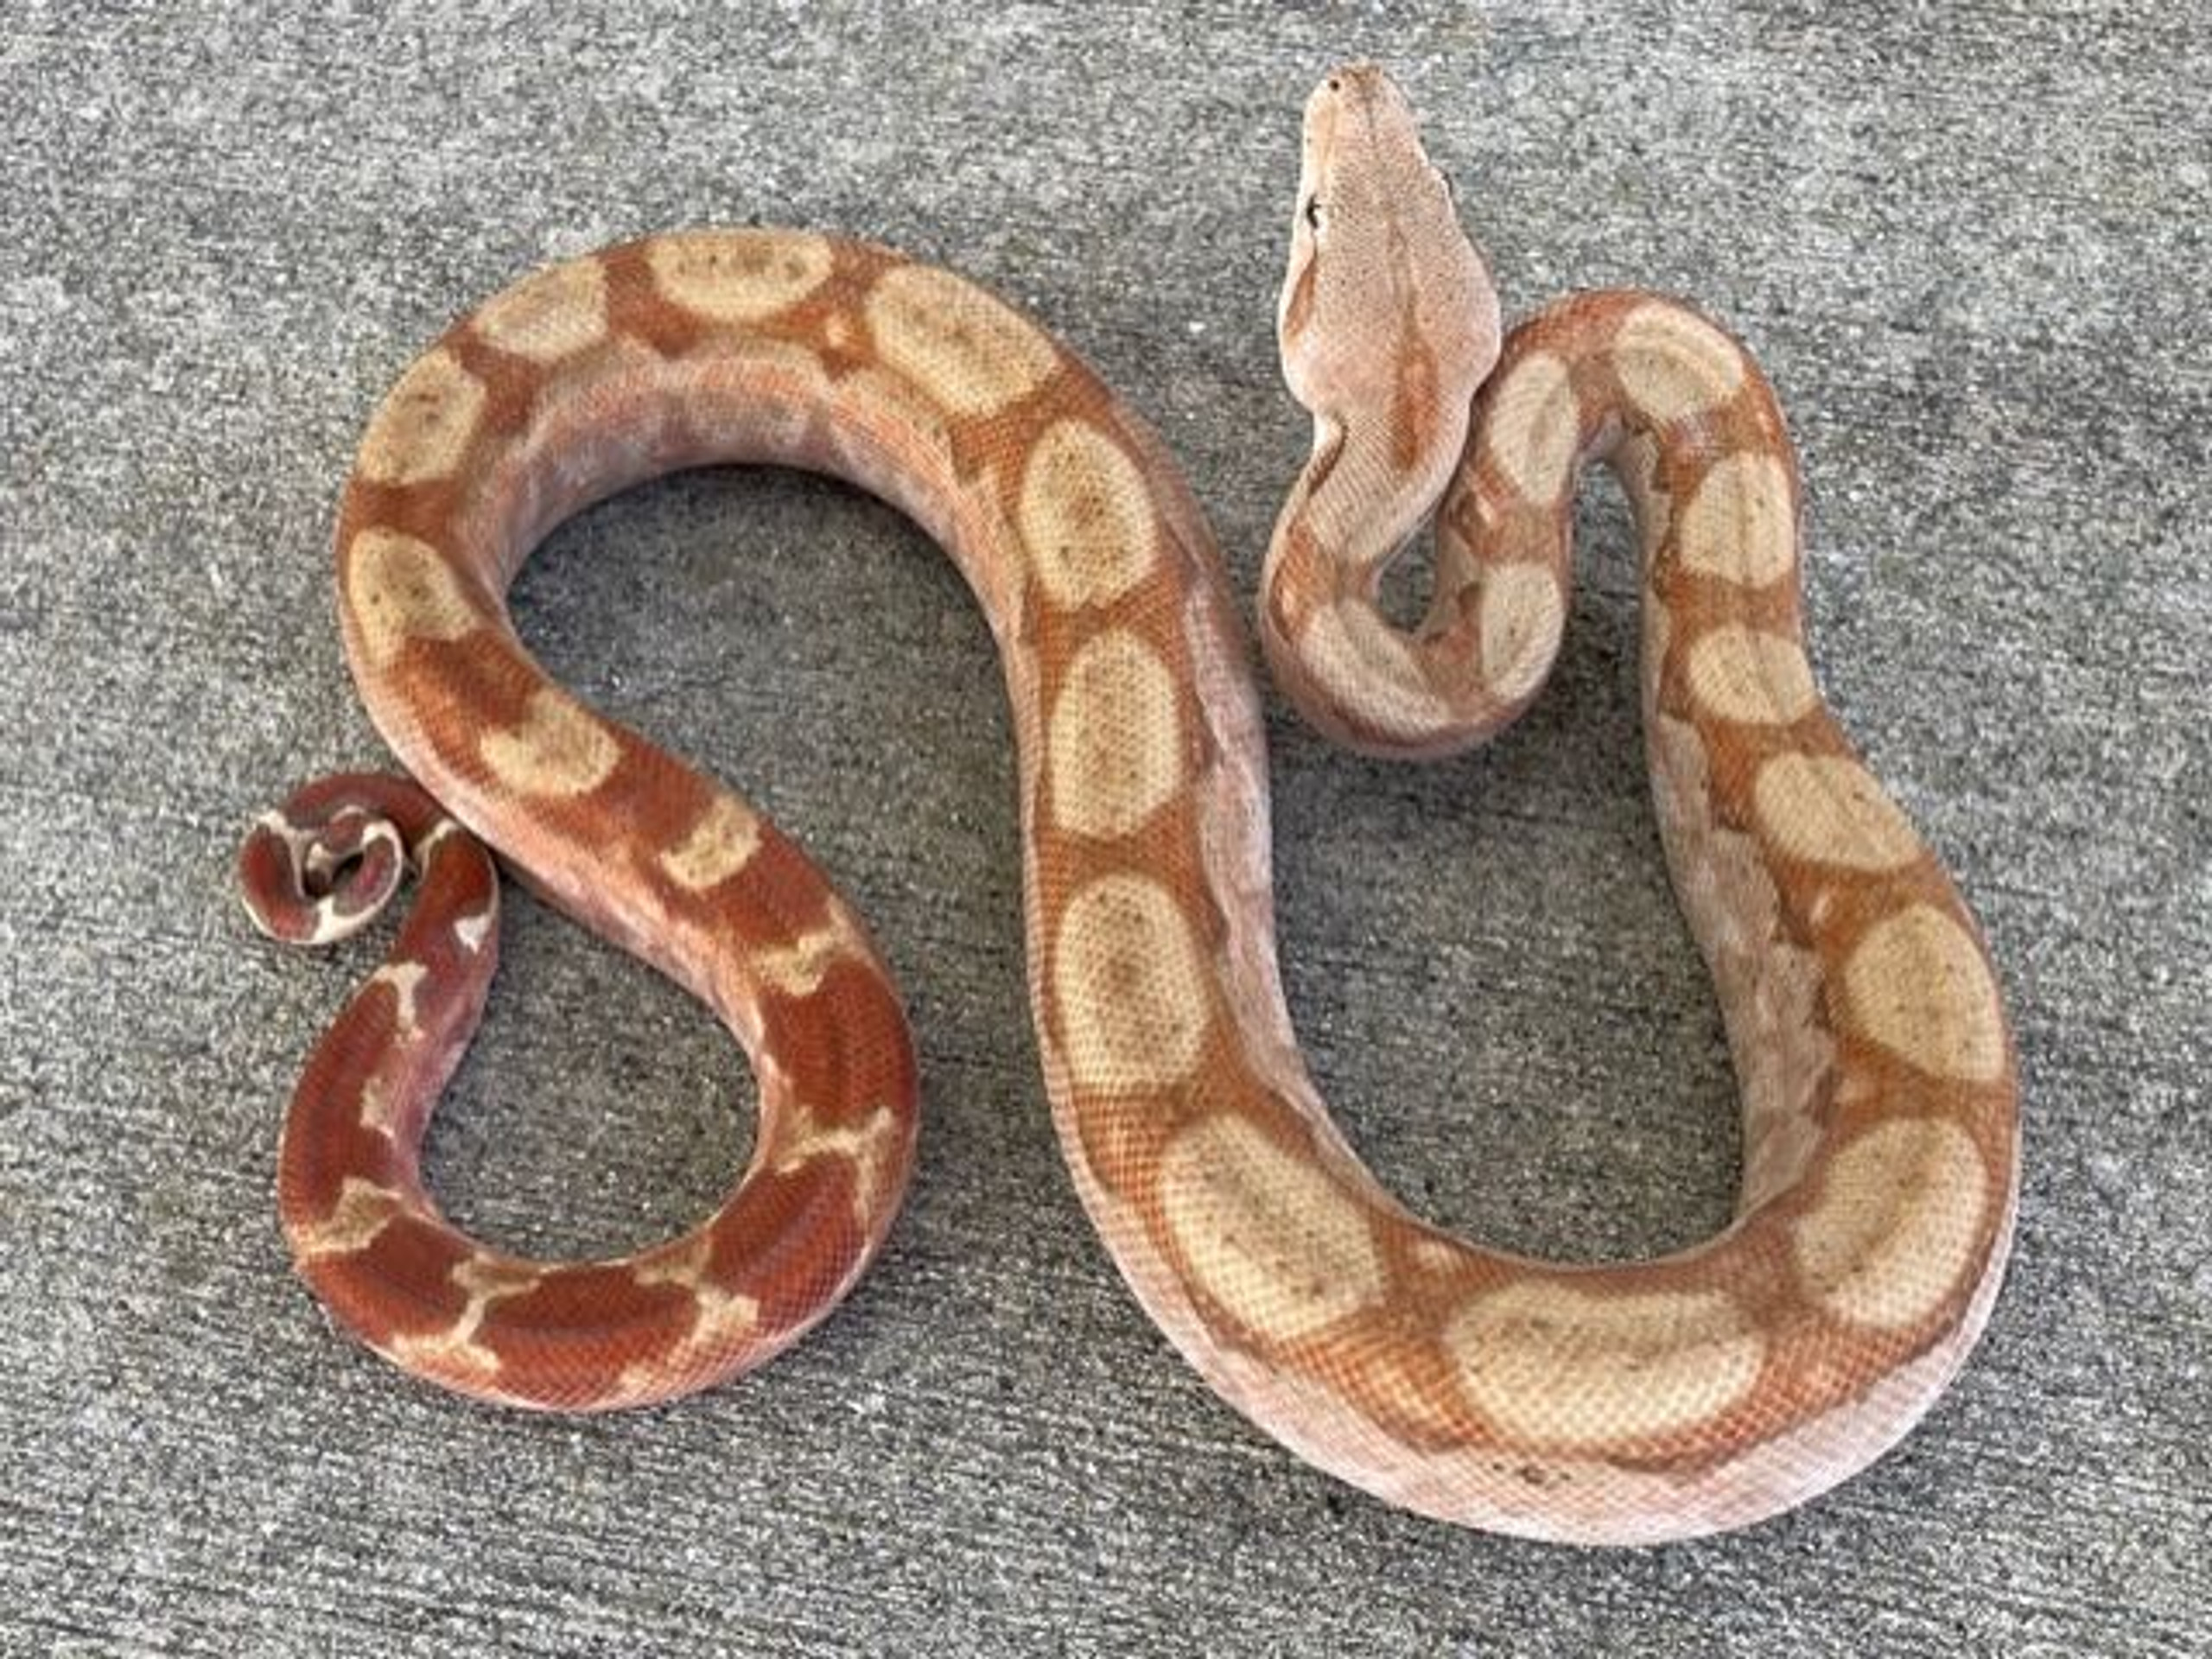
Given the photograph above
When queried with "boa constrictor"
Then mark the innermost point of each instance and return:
(1620, 1403)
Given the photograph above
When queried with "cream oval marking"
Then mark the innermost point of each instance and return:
(969, 351)
(1899, 1220)
(1744, 674)
(1827, 809)
(1264, 1233)
(721, 843)
(1368, 668)
(1741, 522)
(1085, 516)
(1533, 427)
(1672, 363)
(1916, 984)
(422, 427)
(398, 588)
(1521, 618)
(1115, 745)
(558, 748)
(738, 276)
(1129, 985)
(557, 312)
(1557, 1366)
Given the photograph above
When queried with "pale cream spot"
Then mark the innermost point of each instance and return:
(1085, 515)
(722, 1319)
(1829, 808)
(363, 1210)
(1559, 1366)
(1917, 985)
(965, 348)
(868, 1146)
(422, 428)
(560, 747)
(738, 275)
(1899, 1219)
(1131, 993)
(1265, 1234)
(406, 979)
(379, 1108)
(720, 844)
(398, 588)
(1742, 674)
(1115, 745)
(1532, 427)
(1521, 618)
(1740, 524)
(1673, 363)
(1438, 1256)
(1363, 667)
(798, 969)
(547, 316)
(455, 1352)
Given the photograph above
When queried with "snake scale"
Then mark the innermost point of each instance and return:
(1599, 1404)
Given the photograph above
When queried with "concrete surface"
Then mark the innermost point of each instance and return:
(1969, 242)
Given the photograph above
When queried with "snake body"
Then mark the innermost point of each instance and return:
(1620, 1403)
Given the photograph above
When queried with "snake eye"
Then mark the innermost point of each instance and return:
(1313, 212)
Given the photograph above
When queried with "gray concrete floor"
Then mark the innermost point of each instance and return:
(1969, 243)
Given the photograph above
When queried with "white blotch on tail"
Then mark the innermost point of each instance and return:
(473, 931)
(405, 978)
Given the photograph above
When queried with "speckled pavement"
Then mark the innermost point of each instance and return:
(1968, 243)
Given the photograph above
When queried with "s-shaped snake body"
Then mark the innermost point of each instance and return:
(1620, 1404)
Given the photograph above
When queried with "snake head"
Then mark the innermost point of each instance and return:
(1385, 294)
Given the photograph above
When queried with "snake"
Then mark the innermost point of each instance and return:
(1622, 1402)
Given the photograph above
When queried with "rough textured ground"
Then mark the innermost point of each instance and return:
(1969, 243)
